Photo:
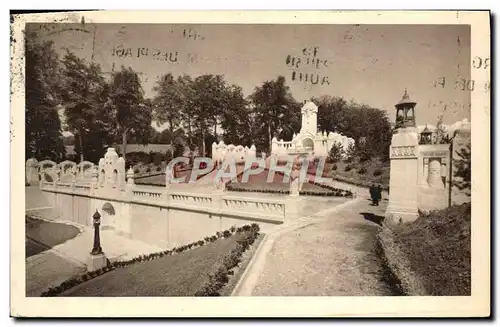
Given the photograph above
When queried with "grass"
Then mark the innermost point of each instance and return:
(437, 247)
(42, 235)
(176, 275)
(372, 171)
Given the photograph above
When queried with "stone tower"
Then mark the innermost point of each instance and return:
(309, 118)
(403, 183)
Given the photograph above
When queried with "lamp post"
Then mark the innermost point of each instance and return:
(96, 250)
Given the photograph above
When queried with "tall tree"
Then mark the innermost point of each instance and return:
(441, 133)
(167, 101)
(132, 112)
(369, 127)
(185, 84)
(207, 97)
(84, 97)
(274, 108)
(43, 124)
(235, 117)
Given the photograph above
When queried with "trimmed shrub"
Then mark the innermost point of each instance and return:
(348, 168)
(362, 170)
(377, 172)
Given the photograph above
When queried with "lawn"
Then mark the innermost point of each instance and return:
(42, 235)
(368, 172)
(176, 275)
(438, 247)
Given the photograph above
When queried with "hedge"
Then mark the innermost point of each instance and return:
(219, 278)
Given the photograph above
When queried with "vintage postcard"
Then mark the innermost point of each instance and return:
(250, 164)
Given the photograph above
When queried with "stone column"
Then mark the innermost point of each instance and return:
(426, 172)
(403, 195)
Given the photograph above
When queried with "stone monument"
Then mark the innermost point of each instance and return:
(32, 171)
(403, 185)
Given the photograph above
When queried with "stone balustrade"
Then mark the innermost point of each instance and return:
(217, 203)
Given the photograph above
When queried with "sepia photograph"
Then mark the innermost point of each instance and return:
(329, 158)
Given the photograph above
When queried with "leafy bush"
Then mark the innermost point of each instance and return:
(377, 172)
(158, 168)
(246, 237)
(362, 171)
(148, 170)
(348, 168)
(334, 167)
(336, 153)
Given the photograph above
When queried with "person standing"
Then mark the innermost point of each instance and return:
(373, 194)
(378, 193)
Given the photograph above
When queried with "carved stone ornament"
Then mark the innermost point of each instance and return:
(403, 151)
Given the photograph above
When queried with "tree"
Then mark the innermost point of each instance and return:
(464, 168)
(207, 95)
(167, 101)
(43, 124)
(236, 117)
(357, 121)
(274, 108)
(336, 152)
(350, 153)
(186, 110)
(132, 112)
(441, 134)
(84, 95)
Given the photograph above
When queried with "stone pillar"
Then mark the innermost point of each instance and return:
(426, 171)
(403, 194)
(32, 171)
(130, 179)
(95, 177)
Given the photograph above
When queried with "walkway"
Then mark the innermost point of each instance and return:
(329, 254)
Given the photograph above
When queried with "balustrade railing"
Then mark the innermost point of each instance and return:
(273, 209)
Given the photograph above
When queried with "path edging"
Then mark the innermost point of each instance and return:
(399, 265)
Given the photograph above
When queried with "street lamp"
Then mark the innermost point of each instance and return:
(97, 242)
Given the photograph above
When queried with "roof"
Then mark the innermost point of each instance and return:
(405, 100)
(426, 130)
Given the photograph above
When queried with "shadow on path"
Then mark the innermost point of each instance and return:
(42, 235)
(373, 217)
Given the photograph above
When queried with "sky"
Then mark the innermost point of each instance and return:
(370, 64)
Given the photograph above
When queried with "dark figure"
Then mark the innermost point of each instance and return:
(373, 194)
(378, 194)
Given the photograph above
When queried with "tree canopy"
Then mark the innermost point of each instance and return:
(194, 111)
(42, 89)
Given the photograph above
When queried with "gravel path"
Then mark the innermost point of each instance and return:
(335, 255)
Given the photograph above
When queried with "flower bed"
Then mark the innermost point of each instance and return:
(244, 236)
(284, 189)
